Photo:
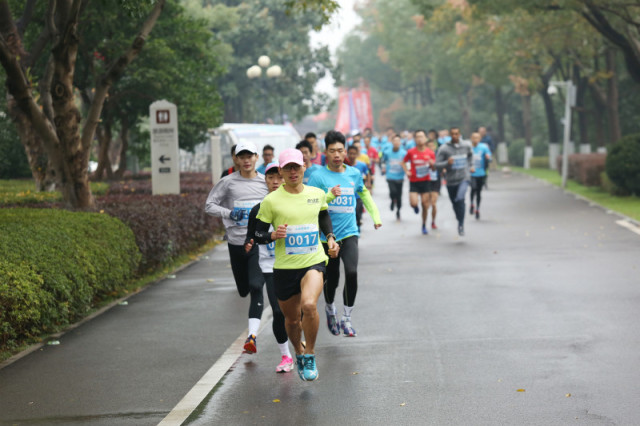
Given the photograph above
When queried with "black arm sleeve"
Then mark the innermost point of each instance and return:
(251, 226)
(325, 222)
(261, 235)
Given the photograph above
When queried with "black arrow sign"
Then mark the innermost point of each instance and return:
(163, 159)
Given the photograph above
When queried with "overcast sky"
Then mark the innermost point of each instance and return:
(332, 34)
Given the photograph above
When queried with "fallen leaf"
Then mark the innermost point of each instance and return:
(171, 276)
(568, 395)
(276, 400)
(520, 390)
(403, 404)
(124, 303)
(210, 281)
(499, 380)
(53, 342)
(355, 373)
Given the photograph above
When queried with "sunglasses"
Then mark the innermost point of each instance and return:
(291, 166)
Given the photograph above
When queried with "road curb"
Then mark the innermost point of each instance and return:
(55, 336)
(591, 203)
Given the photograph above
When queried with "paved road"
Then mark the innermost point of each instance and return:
(542, 295)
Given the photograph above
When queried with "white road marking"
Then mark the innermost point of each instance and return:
(200, 390)
(630, 226)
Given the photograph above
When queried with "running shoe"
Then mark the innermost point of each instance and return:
(300, 365)
(285, 365)
(477, 214)
(393, 205)
(250, 345)
(398, 215)
(347, 329)
(433, 225)
(461, 230)
(424, 229)
(472, 209)
(332, 323)
(416, 209)
(310, 372)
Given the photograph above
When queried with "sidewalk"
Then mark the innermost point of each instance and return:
(135, 362)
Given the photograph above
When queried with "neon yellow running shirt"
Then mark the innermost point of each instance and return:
(302, 247)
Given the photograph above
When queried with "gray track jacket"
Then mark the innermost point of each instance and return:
(462, 154)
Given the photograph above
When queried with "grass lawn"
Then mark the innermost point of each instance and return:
(629, 206)
(22, 191)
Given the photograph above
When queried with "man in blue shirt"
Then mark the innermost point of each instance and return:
(306, 149)
(342, 183)
(392, 160)
(267, 156)
(353, 152)
(481, 160)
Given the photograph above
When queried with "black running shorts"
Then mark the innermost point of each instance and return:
(287, 281)
(419, 187)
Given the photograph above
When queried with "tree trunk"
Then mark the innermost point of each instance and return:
(612, 97)
(581, 107)
(104, 135)
(526, 118)
(124, 138)
(500, 112)
(552, 122)
(464, 99)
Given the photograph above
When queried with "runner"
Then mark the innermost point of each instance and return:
(267, 156)
(317, 157)
(392, 166)
(481, 159)
(232, 199)
(267, 257)
(305, 148)
(352, 160)
(344, 182)
(374, 158)
(435, 181)
(297, 212)
(456, 157)
(421, 159)
(233, 168)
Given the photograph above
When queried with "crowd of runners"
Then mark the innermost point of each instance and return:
(290, 221)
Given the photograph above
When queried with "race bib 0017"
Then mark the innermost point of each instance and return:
(345, 203)
(246, 207)
(301, 239)
(271, 249)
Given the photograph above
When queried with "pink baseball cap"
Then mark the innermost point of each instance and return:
(270, 166)
(289, 156)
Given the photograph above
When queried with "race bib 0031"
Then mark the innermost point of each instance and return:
(395, 167)
(477, 161)
(345, 203)
(246, 207)
(301, 239)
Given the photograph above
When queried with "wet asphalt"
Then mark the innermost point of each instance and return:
(530, 319)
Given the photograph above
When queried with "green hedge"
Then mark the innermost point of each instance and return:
(539, 162)
(623, 164)
(56, 265)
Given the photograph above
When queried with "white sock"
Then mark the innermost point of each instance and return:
(347, 311)
(254, 325)
(330, 308)
(284, 349)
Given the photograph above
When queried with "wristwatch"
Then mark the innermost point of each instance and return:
(331, 235)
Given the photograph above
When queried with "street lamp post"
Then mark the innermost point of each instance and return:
(273, 71)
(570, 101)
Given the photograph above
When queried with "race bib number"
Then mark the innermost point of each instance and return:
(477, 162)
(345, 203)
(246, 207)
(271, 249)
(422, 171)
(395, 167)
(433, 175)
(459, 162)
(301, 239)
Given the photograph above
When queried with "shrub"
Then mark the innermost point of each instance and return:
(623, 164)
(516, 152)
(141, 184)
(165, 226)
(22, 193)
(585, 168)
(539, 162)
(611, 187)
(56, 265)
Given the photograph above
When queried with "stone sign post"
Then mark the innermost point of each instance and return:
(165, 154)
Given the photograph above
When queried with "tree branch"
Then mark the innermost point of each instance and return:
(18, 87)
(115, 71)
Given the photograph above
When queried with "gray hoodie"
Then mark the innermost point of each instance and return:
(234, 192)
(462, 154)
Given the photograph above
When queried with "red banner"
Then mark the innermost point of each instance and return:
(342, 122)
(362, 105)
(354, 110)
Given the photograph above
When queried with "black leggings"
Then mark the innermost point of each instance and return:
(349, 255)
(395, 191)
(359, 210)
(278, 318)
(248, 277)
(477, 183)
